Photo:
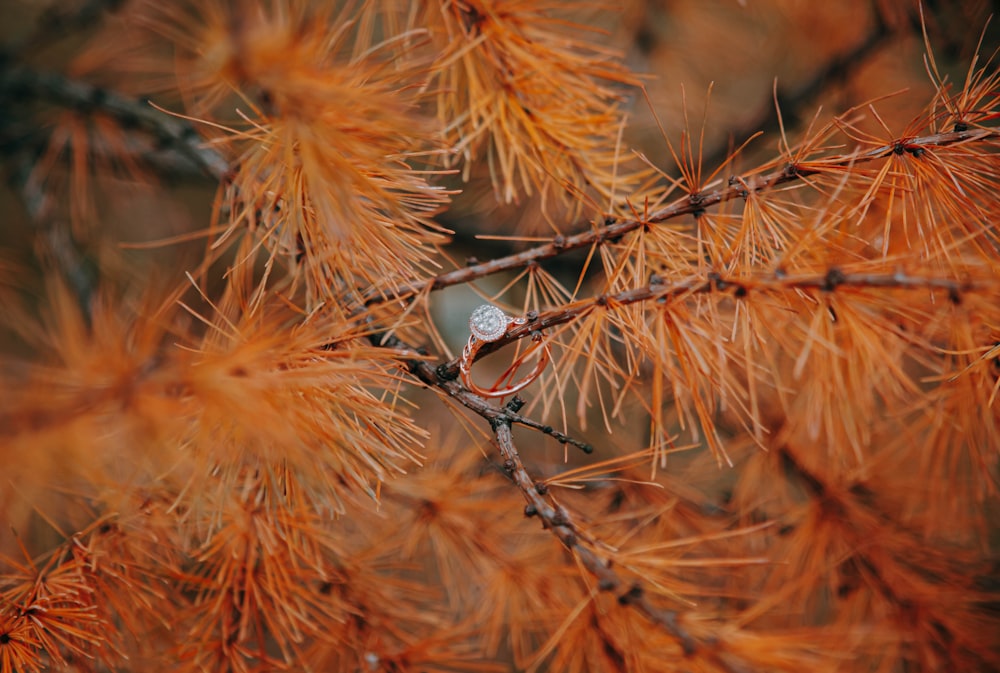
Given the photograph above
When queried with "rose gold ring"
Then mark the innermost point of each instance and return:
(488, 324)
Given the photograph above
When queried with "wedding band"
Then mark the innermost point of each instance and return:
(488, 324)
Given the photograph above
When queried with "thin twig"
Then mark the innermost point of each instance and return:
(830, 281)
(436, 376)
(18, 82)
(613, 228)
(556, 518)
(56, 237)
(560, 523)
(841, 501)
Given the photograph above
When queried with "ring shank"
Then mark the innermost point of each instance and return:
(469, 355)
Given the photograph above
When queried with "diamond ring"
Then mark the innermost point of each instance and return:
(488, 324)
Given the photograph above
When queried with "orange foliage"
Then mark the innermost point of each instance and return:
(237, 439)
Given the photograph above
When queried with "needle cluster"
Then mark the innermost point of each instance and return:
(244, 241)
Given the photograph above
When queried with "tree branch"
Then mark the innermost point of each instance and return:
(736, 286)
(556, 518)
(17, 82)
(559, 522)
(614, 228)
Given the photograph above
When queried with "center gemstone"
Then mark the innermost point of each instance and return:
(488, 323)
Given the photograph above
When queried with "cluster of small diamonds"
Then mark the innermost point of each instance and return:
(488, 323)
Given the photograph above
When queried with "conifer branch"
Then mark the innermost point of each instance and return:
(737, 287)
(234, 478)
(58, 241)
(558, 520)
(18, 82)
(854, 509)
(613, 228)
(444, 378)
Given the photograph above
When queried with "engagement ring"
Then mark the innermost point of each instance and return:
(488, 324)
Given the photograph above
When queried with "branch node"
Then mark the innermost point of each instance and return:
(607, 584)
(790, 171)
(716, 281)
(632, 595)
(445, 373)
(561, 517)
(833, 278)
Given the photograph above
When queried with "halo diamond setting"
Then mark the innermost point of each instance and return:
(488, 323)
